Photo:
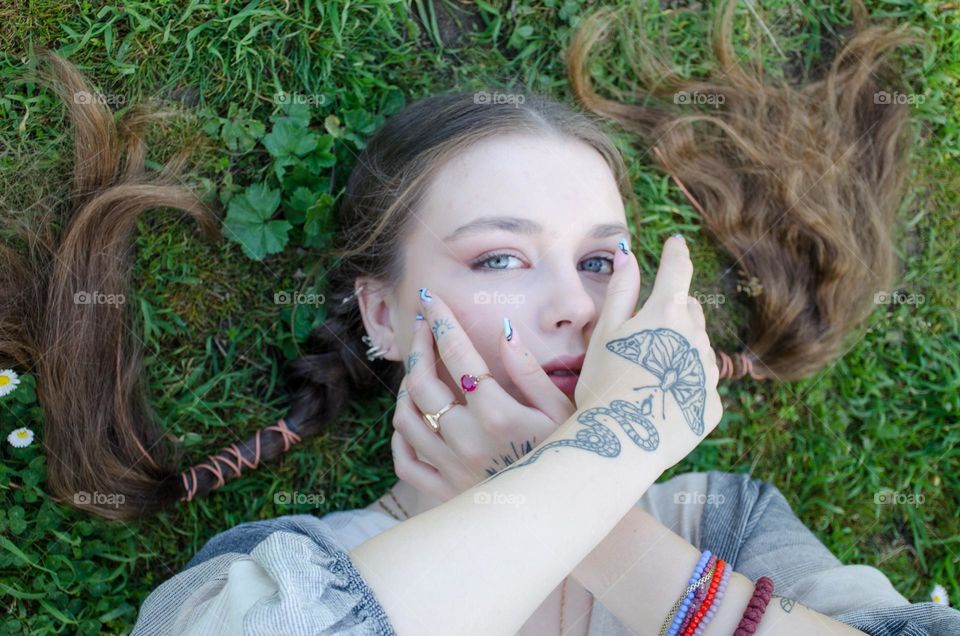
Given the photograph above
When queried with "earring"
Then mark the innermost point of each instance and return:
(374, 351)
(353, 295)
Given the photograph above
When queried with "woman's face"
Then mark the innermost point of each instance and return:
(518, 226)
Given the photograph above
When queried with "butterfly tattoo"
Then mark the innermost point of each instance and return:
(676, 365)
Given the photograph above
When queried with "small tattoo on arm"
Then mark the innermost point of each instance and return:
(506, 460)
(441, 327)
(786, 604)
(412, 360)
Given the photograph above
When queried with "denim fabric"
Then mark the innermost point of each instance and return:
(756, 531)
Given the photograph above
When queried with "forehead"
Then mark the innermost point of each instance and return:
(552, 180)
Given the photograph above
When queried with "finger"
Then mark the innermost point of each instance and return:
(528, 376)
(428, 446)
(459, 355)
(428, 393)
(420, 475)
(620, 302)
(675, 271)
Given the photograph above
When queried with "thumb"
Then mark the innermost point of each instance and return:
(622, 291)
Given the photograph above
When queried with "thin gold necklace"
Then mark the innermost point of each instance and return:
(563, 589)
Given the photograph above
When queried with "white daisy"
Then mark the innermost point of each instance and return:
(8, 381)
(939, 595)
(21, 438)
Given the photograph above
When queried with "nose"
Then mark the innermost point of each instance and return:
(567, 303)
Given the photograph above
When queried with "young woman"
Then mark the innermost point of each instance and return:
(442, 198)
(523, 205)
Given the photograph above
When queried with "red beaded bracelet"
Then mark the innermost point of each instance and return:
(708, 601)
(762, 591)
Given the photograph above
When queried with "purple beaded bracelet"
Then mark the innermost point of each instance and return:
(756, 606)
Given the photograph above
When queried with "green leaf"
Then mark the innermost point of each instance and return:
(241, 135)
(297, 205)
(322, 156)
(332, 126)
(288, 138)
(359, 120)
(316, 227)
(249, 223)
(297, 112)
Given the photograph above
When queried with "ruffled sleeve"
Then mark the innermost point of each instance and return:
(287, 576)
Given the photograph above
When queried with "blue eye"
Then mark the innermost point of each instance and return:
(499, 261)
(500, 258)
(597, 264)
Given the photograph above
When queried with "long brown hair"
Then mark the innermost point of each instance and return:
(799, 184)
(99, 433)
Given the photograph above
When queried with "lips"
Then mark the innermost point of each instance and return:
(567, 364)
(564, 372)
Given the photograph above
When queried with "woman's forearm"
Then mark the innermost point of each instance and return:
(639, 569)
(482, 562)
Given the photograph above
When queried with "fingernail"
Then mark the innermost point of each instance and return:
(679, 236)
(623, 247)
(619, 259)
(507, 329)
(425, 296)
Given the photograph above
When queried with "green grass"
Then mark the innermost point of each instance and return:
(883, 417)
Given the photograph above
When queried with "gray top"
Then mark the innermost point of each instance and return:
(293, 574)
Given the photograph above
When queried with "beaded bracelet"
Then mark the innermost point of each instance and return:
(710, 602)
(762, 591)
(698, 597)
(688, 609)
(713, 608)
(717, 588)
(695, 582)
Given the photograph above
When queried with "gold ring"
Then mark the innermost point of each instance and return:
(433, 419)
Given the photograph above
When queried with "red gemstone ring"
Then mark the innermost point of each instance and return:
(469, 382)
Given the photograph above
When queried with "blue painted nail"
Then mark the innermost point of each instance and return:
(623, 247)
(425, 296)
(507, 329)
(419, 316)
(679, 236)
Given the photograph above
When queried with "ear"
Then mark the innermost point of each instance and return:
(377, 313)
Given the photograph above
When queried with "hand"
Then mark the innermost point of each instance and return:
(652, 373)
(486, 433)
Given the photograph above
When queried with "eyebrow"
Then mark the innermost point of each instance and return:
(519, 225)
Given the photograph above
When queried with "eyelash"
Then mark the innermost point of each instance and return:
(476, 264)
